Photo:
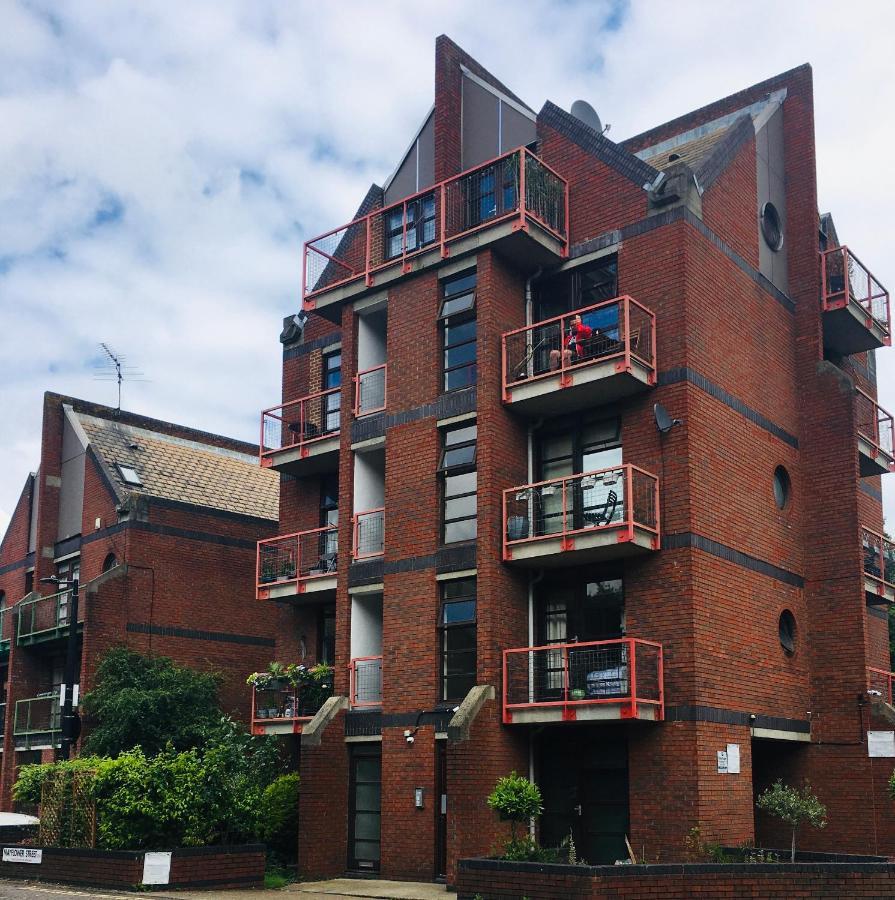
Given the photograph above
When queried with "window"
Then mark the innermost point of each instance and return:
(458, 471)
(2, 618)
(491, 191)
(332, 378)
(787, 631)
(420, 226)
(129, 475)
(66, 571)
(457, 316)
(29, 581)
(458, 635)
(782, 487)
(771, 226)
(577, 288)
(109, 562)
(329, 515)
(326, 642)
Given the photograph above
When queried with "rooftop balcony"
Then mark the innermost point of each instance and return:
(514, 201)
(602, 515)
(879, 567)
(301, 437)
(295, 565)
(548, 369)
(46, 619)
(855, 305)
(282, 710)
(37, 722)
(365, 676)
(876, 453)
(593, 681)
(368, 534)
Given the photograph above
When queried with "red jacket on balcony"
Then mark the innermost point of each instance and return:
(572, 342)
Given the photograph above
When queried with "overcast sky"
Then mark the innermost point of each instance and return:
(162, 162)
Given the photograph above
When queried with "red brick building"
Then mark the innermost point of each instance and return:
(636, 555)
(160, 522)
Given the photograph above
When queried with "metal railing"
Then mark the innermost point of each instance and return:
(879, 559)
(368, 529)
(882, 681)
(4, 619)
(516, 185)
(290, 703)
(41, 616)
(37, 715)
(875, 425)
(299, 423)
(621, 329)
(365, 677)
(847, 280)
(370, 390)
(297, 557)
(628, 672)
(622, 498)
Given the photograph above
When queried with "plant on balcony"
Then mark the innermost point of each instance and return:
(793, 806)
(268, 571)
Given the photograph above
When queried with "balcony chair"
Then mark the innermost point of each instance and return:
(601, 515)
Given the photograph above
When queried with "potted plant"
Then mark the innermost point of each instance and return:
(277, 676)
(268, 571)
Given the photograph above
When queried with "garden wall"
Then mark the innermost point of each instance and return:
(191, 867)
(490, 879)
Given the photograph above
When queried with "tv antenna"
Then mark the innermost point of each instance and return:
(116, 369)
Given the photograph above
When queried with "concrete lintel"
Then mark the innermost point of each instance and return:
(461, 723)
(312, 733)
(883, 710)
(118, 571)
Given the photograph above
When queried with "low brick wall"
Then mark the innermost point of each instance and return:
(495, 879)
(191, 867)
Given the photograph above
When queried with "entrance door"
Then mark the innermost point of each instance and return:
(584, 781)
(365, 795)
(440, 810)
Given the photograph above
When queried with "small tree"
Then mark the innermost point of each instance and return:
(515, 799)
(793, 806)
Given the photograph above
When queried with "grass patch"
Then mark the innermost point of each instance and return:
(274, 879)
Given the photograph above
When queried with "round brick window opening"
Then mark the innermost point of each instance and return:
(782, 487)
(771, 226)
(787, 631)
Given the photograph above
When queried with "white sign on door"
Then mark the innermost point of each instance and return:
(22, 855)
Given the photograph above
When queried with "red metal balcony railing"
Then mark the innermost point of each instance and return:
(626, 673)
(621, 498)
(516, 185)
(876, 426)
(882, 681)
(846, 280)
(620, 329)
(370, 390)
(368, 533)
(283, 709)
(879, 561)
(299, 423)
(365, 677)
(297, 558)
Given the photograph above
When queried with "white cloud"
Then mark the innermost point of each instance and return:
(162, 163)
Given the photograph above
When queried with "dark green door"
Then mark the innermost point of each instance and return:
(365, 794)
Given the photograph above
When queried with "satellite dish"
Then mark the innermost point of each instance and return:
(583, 111)
(664, 422)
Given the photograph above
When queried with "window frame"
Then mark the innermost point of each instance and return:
(447, 628)
(447, 471)
(417, 217)
(453, 289)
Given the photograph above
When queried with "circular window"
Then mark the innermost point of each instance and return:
(771, 226)
(787, 631)
(782, 487)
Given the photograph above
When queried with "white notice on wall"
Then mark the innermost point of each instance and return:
(22, 855)
(722, 762)
(156, 868)
(733, 759)
(881, 743)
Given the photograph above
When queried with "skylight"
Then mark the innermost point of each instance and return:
(129, 474)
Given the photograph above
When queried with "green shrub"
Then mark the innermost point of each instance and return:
(515, 799)
(793, 806)
(278, 818)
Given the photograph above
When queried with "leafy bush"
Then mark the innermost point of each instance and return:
(793, 806)
(278, 816)
(516, 799)
(150, 703)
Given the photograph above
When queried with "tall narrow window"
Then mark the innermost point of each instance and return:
(458, 638)
(66, 571)
(458, 472)
(2, 619)
(329, 516)
(420, 226)
(332, 378)
(326, 635)
(458, 323)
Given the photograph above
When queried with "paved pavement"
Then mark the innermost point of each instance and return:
(336, 889)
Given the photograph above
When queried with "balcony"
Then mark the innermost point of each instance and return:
(547, 371)
(37, 722)
(295, 565)
(593, 681)
(365, 677)
(514, 201)
(370, 391)
(282, 710)
(876, 453)
(882, 681)
(368, 529)
(46, 619)
(855, 305)
(302, 437)
(602, 515)
(879, 567)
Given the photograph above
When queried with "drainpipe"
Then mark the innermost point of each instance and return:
(529, 306)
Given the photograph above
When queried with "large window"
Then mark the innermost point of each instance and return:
(329, 516)
(332, 378)
(458, 637)
(459, 483)
(420, 226)
(458, 323)
(66, 571)
(577, 288)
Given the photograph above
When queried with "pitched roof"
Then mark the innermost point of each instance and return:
(180, 468)
(692, 152)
